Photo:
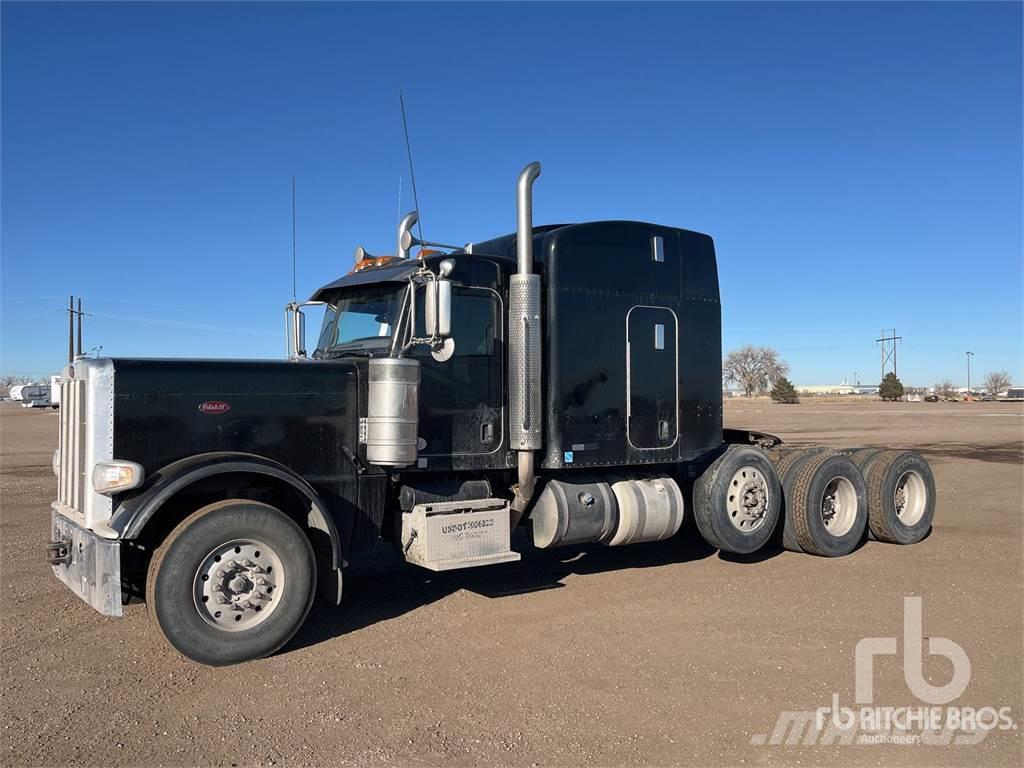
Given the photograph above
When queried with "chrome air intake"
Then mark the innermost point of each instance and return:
(392, 420)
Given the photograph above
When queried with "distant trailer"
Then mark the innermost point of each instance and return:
(1013, 393)
(35, 396)
(55, 391)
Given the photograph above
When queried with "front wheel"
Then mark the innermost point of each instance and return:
(232, 582)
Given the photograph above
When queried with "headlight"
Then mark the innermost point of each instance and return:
(55, 462)
(114, 476)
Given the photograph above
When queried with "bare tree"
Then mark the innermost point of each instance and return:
(755, 369)
(945, 388)
(997, 381)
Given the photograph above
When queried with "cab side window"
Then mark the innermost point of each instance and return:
(476, 321)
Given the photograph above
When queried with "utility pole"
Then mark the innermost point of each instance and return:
(79, 327)
(888, 341)
(72, 314)
(71, 329)
(969, 393)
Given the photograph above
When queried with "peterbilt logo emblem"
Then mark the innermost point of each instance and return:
(214, 406)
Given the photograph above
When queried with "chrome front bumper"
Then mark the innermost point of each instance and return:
(89, 565)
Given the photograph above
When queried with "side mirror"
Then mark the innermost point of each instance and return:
(295, 328)
(437, 313)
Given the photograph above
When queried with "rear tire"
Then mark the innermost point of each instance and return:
(785, 465)
(901, 495)
(864, 458)
(736, 500)
(232, 582)
(827, 505)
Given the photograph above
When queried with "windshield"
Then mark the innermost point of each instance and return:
(360, 321)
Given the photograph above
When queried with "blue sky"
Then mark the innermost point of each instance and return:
(860, 166)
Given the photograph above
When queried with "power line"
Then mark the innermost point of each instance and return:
(183, 324)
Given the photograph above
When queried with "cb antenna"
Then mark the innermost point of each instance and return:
(412, 173)
(293, 238)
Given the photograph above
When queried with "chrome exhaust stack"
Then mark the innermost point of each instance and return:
(524, 349)
(405, 225)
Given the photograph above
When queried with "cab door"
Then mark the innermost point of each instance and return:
(461, 399)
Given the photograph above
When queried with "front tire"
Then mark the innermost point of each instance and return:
(232, 582)
(736, 500)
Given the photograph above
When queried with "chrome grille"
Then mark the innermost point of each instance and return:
(72, 443)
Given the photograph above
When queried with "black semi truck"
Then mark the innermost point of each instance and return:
(565, 377)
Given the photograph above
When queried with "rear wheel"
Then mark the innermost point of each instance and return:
(827, 505)
(901, 491)
(736, 500)
(231, 582)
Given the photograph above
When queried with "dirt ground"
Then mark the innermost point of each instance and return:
(657, 654)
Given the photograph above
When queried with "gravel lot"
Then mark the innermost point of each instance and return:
(654, 654)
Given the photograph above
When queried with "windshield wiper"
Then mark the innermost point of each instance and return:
(334, 354)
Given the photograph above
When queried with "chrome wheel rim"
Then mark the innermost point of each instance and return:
(747, 500)
(238, 585)
(910, 497)
(839, 506)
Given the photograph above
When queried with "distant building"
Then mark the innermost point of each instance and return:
(1013, 393)
(971, 391)
(826, 389)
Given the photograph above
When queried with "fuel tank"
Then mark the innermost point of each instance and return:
(607, 509)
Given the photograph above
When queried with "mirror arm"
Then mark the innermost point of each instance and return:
(432, 303)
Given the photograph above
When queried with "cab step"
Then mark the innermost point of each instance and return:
(447, 535)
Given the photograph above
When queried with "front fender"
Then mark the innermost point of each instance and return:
(131, 514)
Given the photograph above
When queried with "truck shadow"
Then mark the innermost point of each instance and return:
(380, 585)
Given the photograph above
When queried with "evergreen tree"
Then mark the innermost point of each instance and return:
(891, 388)
(784, 391)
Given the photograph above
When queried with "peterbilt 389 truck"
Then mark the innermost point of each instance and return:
(566, 378)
